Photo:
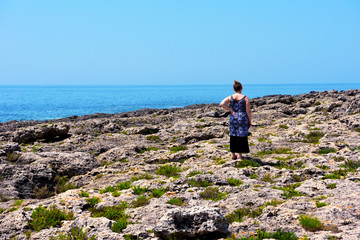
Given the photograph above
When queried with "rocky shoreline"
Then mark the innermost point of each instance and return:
(167, 173)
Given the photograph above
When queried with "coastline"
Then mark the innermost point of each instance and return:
(304, 161)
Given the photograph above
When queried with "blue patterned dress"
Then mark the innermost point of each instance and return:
(239, 126)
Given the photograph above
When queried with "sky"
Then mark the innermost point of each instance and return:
(117, 42)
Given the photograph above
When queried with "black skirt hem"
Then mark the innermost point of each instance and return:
(239, 144)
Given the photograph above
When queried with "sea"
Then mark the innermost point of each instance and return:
(33, 102)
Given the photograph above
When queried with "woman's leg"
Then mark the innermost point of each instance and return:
(240, 156)
(233, 155)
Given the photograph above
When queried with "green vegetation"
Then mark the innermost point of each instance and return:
(141, 200)
(310, 223)
(199, 183)
(351, 165)
(41, 193)
(16, 205)
(168, 170)
(337, 174)
(152, 138)
(247, 162)
(253, 176)
(261, 139)
(260, 235)
(193, 173)
(331, 185)
(62, 184)
(267, 178)
(45, 218)
(313, 137)
(12, 157)
(275, 151)
(320, 204)
(283, 126)
(177, 149)
(149, 149)
(219, 160)
(116, 213)
(93, 201)
(2, 210)
(323, 167)
(326, 150)
(120, 186)
(75, 233)
(139, 190)
(158, 192)
(234, 181)
(212, 193)
(176, 201)
(289, 191)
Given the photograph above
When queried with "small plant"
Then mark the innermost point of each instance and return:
(62, 184)
(219, 160)
(234, 181)
(310, 223)
(44, 218)
(237, 215)
(320, 204)
(283, 126)
(158, 192)
(139, 190)
(326, 150)
(169, 170)
(108, 189)
(261, 139)
(152, 138)
(267, 178)
(2, 210)
(116, 193)
(116, 213)
(246, 163)
(93, 201)
(177, 149)
(253, 176)
(41, 193)
(193, 173)
(323, 167)
(176, 201)
(212, 193)
(12, 157)
(123, 185)
(83, 194)
(351, 165)
(141, 200)
(313, 137)
(337, 174)
(273, 202)
(289, 191)
(75, 233)
(331, 185)
(199, 183)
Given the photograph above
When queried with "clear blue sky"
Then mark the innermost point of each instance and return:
(179, 42)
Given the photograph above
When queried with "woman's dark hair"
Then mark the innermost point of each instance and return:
(237, 86)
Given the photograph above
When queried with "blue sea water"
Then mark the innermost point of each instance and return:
(51, 102)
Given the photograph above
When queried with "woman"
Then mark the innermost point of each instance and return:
(240, 120)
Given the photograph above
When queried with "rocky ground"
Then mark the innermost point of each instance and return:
(167, 173)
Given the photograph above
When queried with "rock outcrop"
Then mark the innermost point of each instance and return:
(167, 173)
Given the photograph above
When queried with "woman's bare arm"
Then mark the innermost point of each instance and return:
(225, 104)
(248, 110)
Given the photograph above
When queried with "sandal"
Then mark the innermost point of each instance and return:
(234, 158)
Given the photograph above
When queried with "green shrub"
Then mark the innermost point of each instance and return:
(177, 149)
(212, 193)
(267, 178)
(83, 194)
(108, 189)
(273, 202)
(311, 224)
(261, 139)
(44, 218)
(12, 157)
(2, 210)
(199, 183)
(75, 233)
(275, 151)
(139, 190)
(320, 204)
(283, 126)
(193, 173)
(326, 150)
(41, 193)
(176, 201)
(123, 185)
(158, 192)
(237, 215)
(337, 174)
(234, 181)
(152, 138)
(116, 213)
(253, 176)
(331, 185)
(62, 184)
(169, 170)
(93, 201)
(351, 165)
(141, 200)
(247, 162)
(313, 137)
(289, 191)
